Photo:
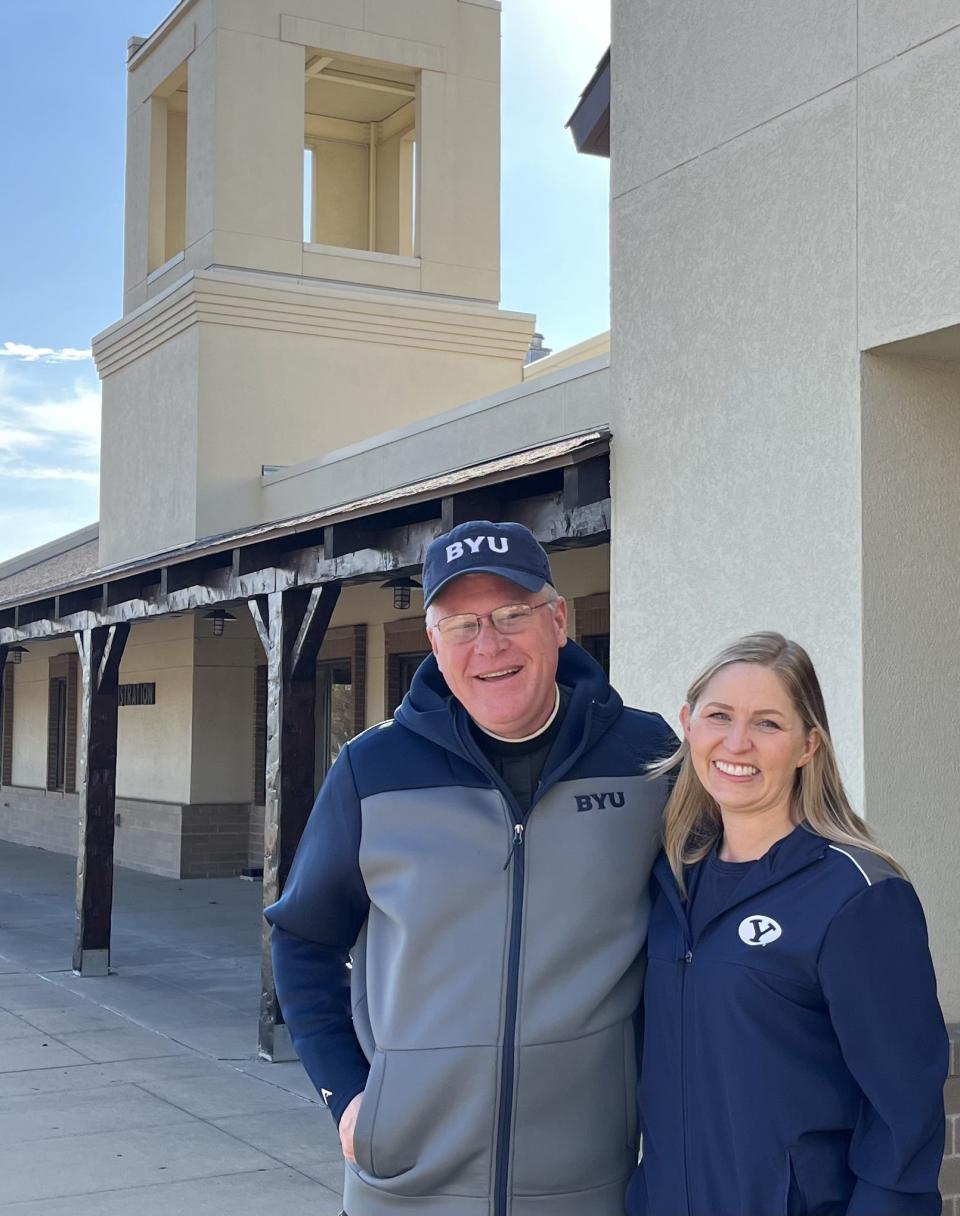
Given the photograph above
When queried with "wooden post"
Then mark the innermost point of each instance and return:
(100, 650)
(291, 625)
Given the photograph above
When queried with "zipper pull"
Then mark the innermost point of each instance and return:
(517, 840)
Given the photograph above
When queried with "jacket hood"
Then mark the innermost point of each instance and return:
(430, 708)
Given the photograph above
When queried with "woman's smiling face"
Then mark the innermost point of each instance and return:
(747, 740)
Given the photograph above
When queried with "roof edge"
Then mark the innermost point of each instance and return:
(52, 548)
(589, 124)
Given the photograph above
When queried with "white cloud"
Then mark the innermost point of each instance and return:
(41, 473)
(66, 423)
(43, 354)
(49, 453)
(14, 438)
(77, 418)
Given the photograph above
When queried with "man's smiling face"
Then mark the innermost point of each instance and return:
(507, 684)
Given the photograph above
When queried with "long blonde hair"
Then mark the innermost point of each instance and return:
(692, 822)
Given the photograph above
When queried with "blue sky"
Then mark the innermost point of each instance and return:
(62, 82)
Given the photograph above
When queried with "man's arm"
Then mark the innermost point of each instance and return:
(315, 924)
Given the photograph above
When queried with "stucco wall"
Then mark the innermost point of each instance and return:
(273, 395)
(154, 742)
(564, 402)
(31, 709)
(148, 452)
(911, 491)
(735, 405)
(784, 194)
(909, 184)
(223, 682)
(30, 724)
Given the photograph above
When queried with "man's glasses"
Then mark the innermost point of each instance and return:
(511, 618)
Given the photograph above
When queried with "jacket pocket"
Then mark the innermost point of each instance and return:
(367, 1114)
(572, 1122)
(820, 1182)
(426, 1121)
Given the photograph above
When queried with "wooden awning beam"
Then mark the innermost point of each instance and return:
(400, 550)
(372, 545)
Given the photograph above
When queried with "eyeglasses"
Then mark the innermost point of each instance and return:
(511, 618)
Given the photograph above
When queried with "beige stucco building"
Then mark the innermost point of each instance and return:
(310, 318)
(311, 334)
(785, 393)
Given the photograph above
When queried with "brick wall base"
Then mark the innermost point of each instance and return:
(950, 1173)
(172, 839)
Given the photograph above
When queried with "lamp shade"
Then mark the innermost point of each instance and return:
(219, 616)
(401, 588)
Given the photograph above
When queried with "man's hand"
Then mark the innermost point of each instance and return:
(348, 1121)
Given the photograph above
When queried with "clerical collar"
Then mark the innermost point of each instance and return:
(525, 738)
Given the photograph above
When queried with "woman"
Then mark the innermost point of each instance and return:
(794, 1051)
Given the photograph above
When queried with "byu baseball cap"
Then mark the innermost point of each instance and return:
(481, 547)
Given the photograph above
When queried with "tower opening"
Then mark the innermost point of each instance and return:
(360, 132)
(168, 170)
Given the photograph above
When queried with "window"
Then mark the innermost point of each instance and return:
(57, 747)
(401, 669)
(62, 724)
(341, 693)
(592, 614)
(6, 738)
(359, 167)
(598, 646)
(335, 723)
(406, 646)
(260, 735)
(340, 707)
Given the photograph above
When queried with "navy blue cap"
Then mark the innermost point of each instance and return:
(480, 547)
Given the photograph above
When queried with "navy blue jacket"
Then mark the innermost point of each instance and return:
(794, 1054)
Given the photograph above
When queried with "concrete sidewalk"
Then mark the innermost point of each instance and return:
(141, 1092)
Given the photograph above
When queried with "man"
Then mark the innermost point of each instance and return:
(483, 859)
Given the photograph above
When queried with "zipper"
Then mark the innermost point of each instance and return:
(686, 960)
(517, 841)
(517, 822)
(505, 1112)
(516, 855)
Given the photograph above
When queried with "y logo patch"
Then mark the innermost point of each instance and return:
(759, 930)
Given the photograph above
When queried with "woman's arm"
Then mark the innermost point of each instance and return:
(880, 987)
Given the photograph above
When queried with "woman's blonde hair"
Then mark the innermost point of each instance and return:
(692, 822)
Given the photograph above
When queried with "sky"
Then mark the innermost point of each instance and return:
(62, 103)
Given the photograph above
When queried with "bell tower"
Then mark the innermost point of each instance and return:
(311, 248)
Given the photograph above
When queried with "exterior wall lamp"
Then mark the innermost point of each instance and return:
(15, 653)
(401, 588)
(218, 616)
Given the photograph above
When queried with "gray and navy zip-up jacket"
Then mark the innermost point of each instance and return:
(795, 1054)
(497, 958)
